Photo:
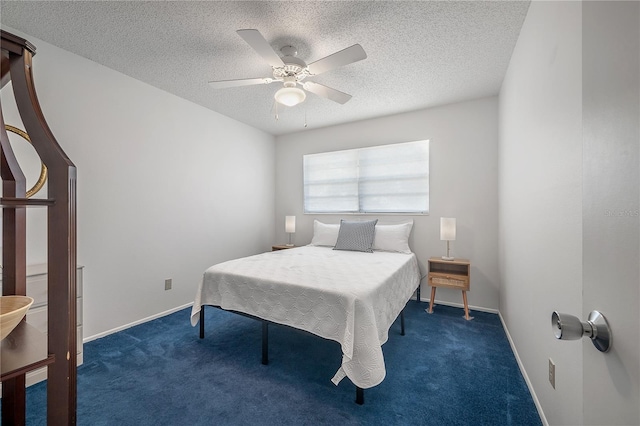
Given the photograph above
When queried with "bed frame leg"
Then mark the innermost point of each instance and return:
(202, 322)
(359, 395)
(402, 322)
(265, 343)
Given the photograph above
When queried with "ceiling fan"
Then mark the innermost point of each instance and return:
(292, 70)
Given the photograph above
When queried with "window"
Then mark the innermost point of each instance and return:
(382, 179)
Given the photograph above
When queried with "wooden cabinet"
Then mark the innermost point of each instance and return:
(451, 274)
(37, 316)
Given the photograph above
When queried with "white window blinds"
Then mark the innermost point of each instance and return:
(382, 179)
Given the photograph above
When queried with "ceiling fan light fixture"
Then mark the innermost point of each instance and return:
(291, 70)
(290, 96)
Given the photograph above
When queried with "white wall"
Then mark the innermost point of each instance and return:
(540, 184)
(463, 170)
(166, 188)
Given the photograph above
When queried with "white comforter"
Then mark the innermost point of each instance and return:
(350, 297)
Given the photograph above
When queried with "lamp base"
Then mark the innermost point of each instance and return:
(448, 258)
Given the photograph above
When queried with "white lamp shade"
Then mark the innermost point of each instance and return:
(290, 224)
(290, 96)
(448, 228)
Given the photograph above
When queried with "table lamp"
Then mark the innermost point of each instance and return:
(447, 233)
(290, 228)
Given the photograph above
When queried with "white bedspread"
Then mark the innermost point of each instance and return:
(350, 297)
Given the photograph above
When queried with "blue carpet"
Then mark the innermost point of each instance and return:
(444, 371)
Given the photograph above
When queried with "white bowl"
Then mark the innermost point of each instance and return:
(12, 310)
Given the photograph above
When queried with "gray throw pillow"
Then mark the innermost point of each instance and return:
(356, 235)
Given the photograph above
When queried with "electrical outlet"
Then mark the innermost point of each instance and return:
(167, 284)
(552, 373)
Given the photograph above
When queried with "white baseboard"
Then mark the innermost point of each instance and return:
(524, 373)
(141, 321)
(461, 305)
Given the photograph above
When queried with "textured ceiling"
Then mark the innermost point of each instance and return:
(420, 54)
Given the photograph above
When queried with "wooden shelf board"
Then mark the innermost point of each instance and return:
(23, 350)
(10, 202)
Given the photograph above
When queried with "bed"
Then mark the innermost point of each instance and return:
(347, 296)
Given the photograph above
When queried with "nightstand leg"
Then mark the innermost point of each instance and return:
(466, 305)
(433, 296)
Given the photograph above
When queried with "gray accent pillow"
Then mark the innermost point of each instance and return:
(356, 235)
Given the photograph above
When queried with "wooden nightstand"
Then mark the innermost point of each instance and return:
(452, 274)
(281, 247)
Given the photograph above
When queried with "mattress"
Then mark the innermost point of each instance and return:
(349, 297)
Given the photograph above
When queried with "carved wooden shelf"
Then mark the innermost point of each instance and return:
(26, 348)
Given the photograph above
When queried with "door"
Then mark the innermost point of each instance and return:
(611, 231)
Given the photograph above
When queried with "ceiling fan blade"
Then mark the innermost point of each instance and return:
(261, 46)
(346, 56)
(327, 92)
(223, 84)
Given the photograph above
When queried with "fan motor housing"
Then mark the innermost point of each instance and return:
(292, 67)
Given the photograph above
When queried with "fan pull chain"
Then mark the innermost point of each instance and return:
(305, 116)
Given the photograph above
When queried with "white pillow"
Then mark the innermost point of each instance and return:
(393, 238)
(324, 234)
